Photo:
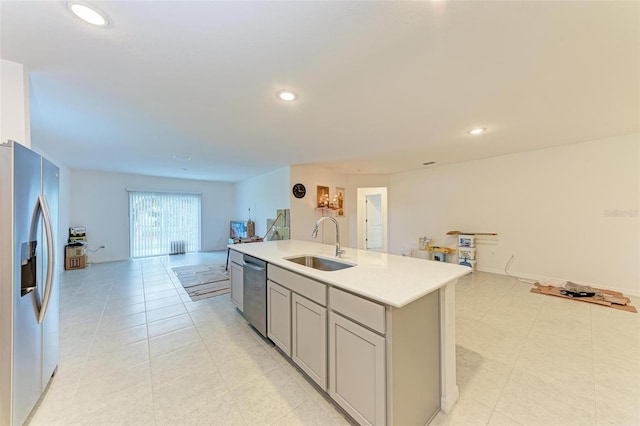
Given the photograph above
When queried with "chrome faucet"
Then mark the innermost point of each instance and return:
(314, 233)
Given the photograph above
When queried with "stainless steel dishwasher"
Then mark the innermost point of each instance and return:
(255, 293)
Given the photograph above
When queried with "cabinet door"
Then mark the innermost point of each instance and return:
(237, 291)
(309, 330)
(357, 370)
(279, 316)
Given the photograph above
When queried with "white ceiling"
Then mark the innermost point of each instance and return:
(383, 86)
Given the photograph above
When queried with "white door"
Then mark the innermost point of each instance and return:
(373, 222)
(372, 219)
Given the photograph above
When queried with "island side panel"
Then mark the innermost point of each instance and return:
(448, 382)
(414, 362)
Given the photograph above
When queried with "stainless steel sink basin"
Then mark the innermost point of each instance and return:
(320, 263)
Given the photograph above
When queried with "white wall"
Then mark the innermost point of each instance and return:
(100, 202)
(264, 195)
(303, 210)
(63, 212)
(569, 212)
(14, 103)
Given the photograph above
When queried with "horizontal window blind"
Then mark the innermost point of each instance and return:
(163, 223)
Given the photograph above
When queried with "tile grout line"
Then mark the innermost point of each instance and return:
(93, 339)
(227, 388)
(515, 361)
(146, 323)
(70, 303)
(188, 313)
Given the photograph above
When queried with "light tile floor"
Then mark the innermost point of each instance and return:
(134, 349)
(529, 359)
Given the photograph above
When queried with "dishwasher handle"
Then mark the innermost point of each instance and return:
(254, 267)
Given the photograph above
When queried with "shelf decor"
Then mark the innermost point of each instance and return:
(323, 196)
(339, 201)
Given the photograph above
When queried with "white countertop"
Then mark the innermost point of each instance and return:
(389, 279)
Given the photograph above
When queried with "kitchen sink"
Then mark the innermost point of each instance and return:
(320, 263)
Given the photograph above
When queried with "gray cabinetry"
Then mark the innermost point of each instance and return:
(309, 328)
(357, 357)
(304, 320)
(379, 363)
(279, 316)
(357, 370)
(237, 274)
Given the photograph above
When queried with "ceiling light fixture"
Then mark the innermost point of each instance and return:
(477, 131)
(286, 95)
(88, 14)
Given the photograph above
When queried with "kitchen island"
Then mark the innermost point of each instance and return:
(378, 335)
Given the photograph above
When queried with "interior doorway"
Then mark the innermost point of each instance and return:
(372, 219)
(373, 222)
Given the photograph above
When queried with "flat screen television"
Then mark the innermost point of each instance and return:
(238, 229)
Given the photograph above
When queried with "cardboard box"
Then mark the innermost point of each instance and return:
(74, 251)
(76, 262)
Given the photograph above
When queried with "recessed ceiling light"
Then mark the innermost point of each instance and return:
(88, 14)
(477, 131)
(286, 95)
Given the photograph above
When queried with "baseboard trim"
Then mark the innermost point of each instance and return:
(109, 259)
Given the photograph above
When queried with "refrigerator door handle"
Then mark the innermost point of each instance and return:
(48, 230)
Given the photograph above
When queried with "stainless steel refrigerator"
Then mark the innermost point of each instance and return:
(29, 291)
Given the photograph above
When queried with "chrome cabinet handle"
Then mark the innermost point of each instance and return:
(48, 230)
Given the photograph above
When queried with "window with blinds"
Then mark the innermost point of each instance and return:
(163, 223)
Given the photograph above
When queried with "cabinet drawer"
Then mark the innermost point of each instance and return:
(236, 256)
(363, 311)
(304, 286)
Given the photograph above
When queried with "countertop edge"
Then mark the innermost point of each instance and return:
(321, 277)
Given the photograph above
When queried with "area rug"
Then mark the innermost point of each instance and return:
(204, 280)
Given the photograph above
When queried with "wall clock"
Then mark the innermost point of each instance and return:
(299, 190)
